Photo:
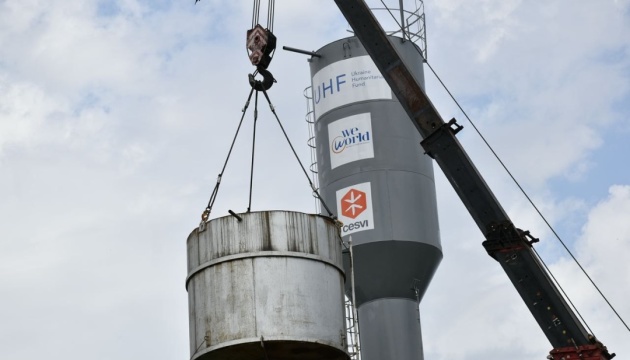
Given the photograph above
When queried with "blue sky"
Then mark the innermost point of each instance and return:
(116, 116)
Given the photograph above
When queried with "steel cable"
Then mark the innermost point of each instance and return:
(531, 202)
(251, 176)
(271, 9)
(255, 13)
(577, 312)
(213, 196)
(273, 110)
(205, 339)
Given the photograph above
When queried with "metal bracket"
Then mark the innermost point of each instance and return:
(454, 126)
(505, 237)
(432, 141)
(591, 351)
(529, 238)
(202, 226)
(347, 52)
(415, 287)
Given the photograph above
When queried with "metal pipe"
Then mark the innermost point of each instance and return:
(305, 52)
(236, 216)
(402, 19)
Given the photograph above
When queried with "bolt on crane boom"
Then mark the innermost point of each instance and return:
(510, 246)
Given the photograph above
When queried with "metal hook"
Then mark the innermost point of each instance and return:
(266, 82)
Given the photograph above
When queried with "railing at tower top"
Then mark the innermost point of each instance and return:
(402, 18)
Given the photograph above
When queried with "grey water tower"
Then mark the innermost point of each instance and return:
(374, 172)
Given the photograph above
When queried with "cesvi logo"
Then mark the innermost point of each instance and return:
(348, 138)
(353, 203)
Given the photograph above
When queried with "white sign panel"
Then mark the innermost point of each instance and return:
(354, 208)
(350, 139)
(348, 81)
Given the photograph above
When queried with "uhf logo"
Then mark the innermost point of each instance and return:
(354, 206)
(353, 203)
(328, 86)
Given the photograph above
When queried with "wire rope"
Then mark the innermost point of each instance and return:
(271, 9)
(273, 110)
(251, 176)
(213, 196)
(255, 13)
(577, 312)
(529, 199)
(531, 202)
(199, 347)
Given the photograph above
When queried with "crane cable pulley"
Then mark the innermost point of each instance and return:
(261, 42)
(261, 45)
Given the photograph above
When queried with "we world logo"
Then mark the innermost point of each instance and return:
(350, 139)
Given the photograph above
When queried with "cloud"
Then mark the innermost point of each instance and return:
(545, 96)
(24, 110)
(601, 251)
(471, 303)
(531, 86)
(116, 117)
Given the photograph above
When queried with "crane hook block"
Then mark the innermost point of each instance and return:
(261, 44)
(266, 82)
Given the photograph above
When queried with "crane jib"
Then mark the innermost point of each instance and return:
(504, 242)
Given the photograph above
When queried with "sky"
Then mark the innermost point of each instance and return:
(116, 117)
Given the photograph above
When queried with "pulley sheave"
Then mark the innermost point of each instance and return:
(261, 44)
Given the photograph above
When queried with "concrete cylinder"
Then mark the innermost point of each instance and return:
(269, 286)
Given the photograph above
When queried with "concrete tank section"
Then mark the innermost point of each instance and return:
(374, 173)
(267, 287)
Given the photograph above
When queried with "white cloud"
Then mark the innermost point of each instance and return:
(24, 110)
(525, 98)
(602, 250)
(113, 128)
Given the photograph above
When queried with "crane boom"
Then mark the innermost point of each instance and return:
(510, 246)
